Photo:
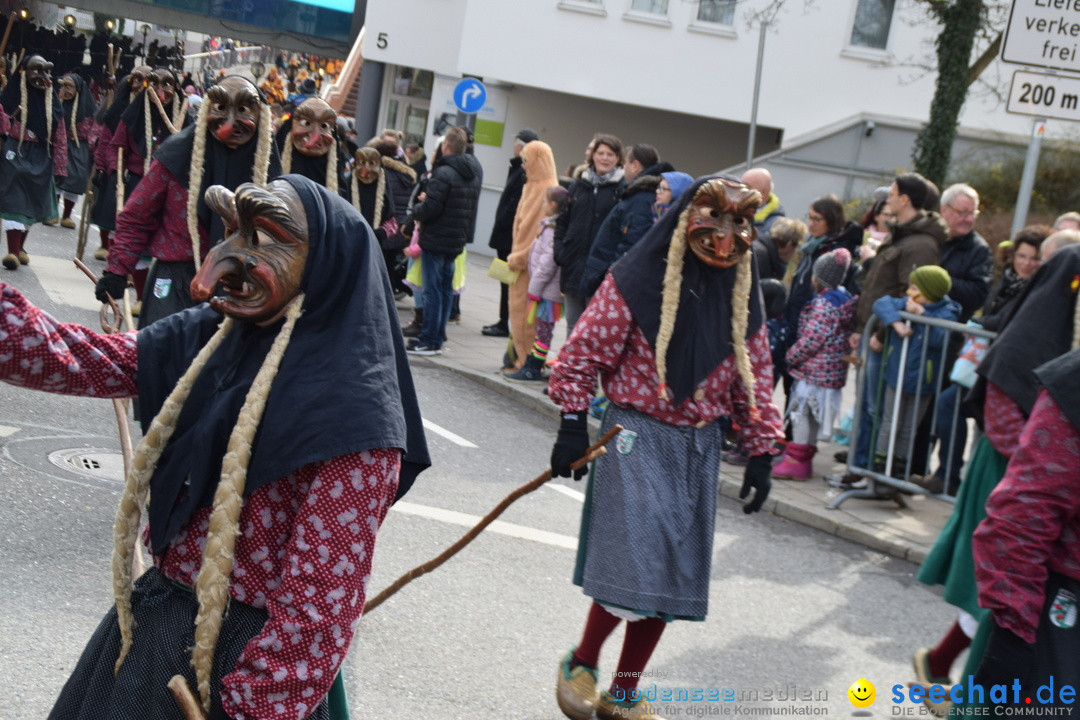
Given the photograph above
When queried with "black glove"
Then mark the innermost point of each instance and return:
(1007, 658)
(571, 444)
(758, 477)
(110, 285)
(98, 178)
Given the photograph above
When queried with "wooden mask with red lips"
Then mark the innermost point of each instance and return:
(720, 222)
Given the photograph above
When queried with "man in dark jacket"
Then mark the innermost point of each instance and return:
(917, 239)
(766, 254)
(446, 212)
(502, 232)
(969, 261)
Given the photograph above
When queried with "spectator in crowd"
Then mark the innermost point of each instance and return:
(1055, 242)
(916, 381)
(916, 240)
(829, 229)
(446, 211)
(538, 162)
(1067, 221)
(816, 361)
(769, 262)
(545, 296)
(1023, 262)
(631, 217)
(875, 223)
(502, 231)
(592, 196)
(273, 88)
(781, 335)
(414, 155)
(787, 235)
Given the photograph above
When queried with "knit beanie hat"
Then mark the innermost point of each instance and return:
(933, 281)
(830, 268)
(678, 182)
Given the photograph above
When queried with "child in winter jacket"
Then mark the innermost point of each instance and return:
(816, 361)
(927, 295)
(544, 293)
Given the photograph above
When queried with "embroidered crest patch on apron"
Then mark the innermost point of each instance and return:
(624, 443)
(162, 286)
(1063, 610)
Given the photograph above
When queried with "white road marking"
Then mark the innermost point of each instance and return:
(569, 492)
(7, 430)
(498, 527)
(438, 430)
(64, 283)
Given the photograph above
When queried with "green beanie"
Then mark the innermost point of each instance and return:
(933, 281)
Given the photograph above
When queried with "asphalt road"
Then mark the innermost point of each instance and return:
(792, 611)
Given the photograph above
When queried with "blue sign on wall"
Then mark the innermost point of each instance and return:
(470, 95)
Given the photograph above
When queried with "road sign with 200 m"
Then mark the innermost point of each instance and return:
(1049, 96)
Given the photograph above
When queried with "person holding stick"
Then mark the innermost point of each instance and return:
(253, 465)
(676, 333)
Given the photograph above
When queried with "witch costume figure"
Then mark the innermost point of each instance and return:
(104, 176)
(79, 109)
(267, 483)
(33, 150)
(678, 340)
(307, 142)
(167, 216)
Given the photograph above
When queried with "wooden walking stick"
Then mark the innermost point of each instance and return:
(191, 706)
(591, 454)
(120, 407)
(84, 220)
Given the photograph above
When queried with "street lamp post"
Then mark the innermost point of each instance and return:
(145, 29)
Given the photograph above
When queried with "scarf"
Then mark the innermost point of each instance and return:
(767, 209)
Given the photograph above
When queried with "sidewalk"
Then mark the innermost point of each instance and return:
(878, 524)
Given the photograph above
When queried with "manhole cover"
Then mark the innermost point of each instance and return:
(90, 462)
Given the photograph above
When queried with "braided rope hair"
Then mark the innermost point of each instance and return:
(195, 173)
(137, 485)
(148, 128)
(1076, 324)
(24, 110)
(286, 156)
(48, 114)
(331, 169)
(266, 143)
(212, 587)
(74, 114)
(669, 308)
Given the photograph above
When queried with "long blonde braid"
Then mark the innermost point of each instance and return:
(669, 303)
(265, 145)
(740, 320)
(48, 114)
(74, 123)
(195, 173)
(286, 156)
(1076, 322)
(380, 199)
(354, 185)
(24, 110)
(137, 485)
(212, 587)
(148, 129)
(331, 170)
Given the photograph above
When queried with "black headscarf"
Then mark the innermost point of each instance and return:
(11, 96)
(702, 336)
(1038, 329)
(1059, 377)
(134, 115)
(86, 108)
(222, 165)
(344, 383)
(121, 100)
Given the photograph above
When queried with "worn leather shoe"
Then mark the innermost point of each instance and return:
(495, 330)
(575, 689)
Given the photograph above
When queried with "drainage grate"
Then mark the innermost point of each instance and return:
(94, 463)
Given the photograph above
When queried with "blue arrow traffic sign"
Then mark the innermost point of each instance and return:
(470, 95)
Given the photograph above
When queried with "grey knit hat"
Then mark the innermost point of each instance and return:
(830, 268)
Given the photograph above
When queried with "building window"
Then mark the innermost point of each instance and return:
(872, 21)
(656, 7)
(721, 12)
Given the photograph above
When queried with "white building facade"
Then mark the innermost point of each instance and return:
(841, 91)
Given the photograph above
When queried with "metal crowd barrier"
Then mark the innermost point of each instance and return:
(889, 480)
